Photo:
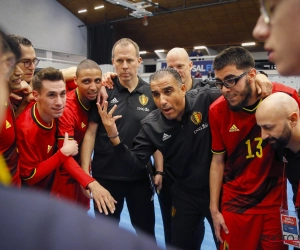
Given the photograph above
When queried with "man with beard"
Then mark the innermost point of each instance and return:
(278, 117)
(243, 167)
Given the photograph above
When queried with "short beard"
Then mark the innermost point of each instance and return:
(283, 140)
(248, 93)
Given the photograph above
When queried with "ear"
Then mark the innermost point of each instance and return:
(113, 63)
(252, 74)
(35, 95)
(140, 61)
(294, 117)
(183, 89)
(75, 80)
(190, 65)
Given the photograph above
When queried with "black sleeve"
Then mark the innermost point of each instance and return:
(137, 157)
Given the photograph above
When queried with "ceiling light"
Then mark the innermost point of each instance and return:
(81, 11)
(99, 7)
(143, 52)
(200, 47)
(248, 44)
(159, 50)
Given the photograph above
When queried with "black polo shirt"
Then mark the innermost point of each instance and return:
(215, 93)
(186, 145)
(133, 107)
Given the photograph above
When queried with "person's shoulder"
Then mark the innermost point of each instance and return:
(142, 81)
(71, 95)
(26, 114)
(220, 103)
(279, 87)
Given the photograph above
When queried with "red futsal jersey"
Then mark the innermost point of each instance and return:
(8, 144)
(253, 177)
(36, 144)
(70, 85)
(74, 121)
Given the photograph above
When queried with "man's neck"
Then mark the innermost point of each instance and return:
(189, 84)
(130, 85)
(84, 101)
(45, 118)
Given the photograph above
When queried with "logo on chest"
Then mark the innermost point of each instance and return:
(7, 124)
(196, 117)
(234, 128)
(143, 99)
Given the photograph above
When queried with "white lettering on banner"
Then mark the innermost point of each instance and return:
(201, 68)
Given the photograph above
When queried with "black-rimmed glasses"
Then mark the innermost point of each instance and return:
(229, 83)
(28, 63)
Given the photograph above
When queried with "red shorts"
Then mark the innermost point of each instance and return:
(252, 232)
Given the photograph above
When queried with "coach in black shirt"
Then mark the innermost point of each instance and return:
(179, 129)
(133, 97)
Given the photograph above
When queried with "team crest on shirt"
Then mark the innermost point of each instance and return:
(196, 117)
(143, 99)
(82, 125)
(7, 124)
(49, 148)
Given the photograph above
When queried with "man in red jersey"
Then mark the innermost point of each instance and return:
(243, 166)
(28, 60)
(36, 138)
(74, 122)
(8, 146)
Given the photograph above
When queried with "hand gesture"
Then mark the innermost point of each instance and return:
(70, 147)
(108, 120)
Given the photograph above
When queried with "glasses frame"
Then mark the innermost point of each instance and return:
(34, 61)
(220, 85)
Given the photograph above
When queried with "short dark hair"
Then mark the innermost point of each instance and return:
(237, 56)
(50, 74)
(21, 40)
(125, 42)
(87, 64)
(164, 72)
(10, 45)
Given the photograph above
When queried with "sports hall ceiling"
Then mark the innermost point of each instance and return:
(216, 24)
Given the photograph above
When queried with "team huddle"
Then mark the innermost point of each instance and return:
(221, 152)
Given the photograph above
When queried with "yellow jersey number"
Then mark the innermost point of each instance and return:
(258, 151)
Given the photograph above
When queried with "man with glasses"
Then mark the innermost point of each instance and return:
(279, 27)
(28, 60)
(243, 167)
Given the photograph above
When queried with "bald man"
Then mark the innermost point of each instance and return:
(278, 117)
